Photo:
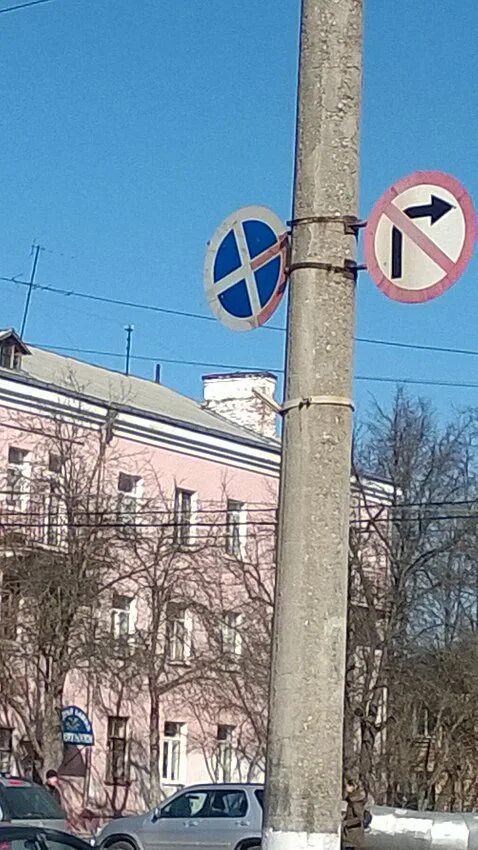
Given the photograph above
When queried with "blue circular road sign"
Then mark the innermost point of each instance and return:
(245, 268)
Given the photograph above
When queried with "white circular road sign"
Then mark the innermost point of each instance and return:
(420, 236)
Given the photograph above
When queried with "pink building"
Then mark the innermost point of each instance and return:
(137, 539)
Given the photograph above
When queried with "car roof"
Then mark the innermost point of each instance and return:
(226, 786)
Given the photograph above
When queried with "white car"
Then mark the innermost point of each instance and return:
(211, 817)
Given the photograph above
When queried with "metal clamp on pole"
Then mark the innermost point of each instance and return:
(308, 401)
(350, 222)
(349, 268)
(305, 401)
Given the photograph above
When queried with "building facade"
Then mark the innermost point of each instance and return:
(137, 546)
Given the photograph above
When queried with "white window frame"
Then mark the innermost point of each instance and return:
(53, 531)
(17, 497)
(224, 752)
(174, 753)
(236, 528)
(185, 532)
(123, 617)
(231, 635)
(179, 628)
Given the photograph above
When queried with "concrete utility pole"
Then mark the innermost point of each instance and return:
(304, 761)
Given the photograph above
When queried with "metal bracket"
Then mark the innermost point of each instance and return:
(351, 223)
(349, 268)
(305, 401)
(308, 401)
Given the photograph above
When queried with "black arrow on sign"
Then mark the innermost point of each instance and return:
(435, 210)
(397, 241)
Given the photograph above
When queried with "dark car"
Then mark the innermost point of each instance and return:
(36, 838)
(25, 802)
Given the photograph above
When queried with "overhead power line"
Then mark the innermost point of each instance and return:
(212, 364)
(119, 302)
(101, 524)
(385, 379)
(148, 359)
(156, 308)
(176, 361)
(24, 5)
(417, 346)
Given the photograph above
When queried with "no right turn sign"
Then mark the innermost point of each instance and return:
(420, 236)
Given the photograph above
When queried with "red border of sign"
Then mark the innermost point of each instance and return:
(410, 296)
(281, 285)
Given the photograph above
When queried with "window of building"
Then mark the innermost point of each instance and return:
(54, 463)
(10, 604)
(5, 749)
(178, 632)
(52, 512)
(183, 517)
(129, 487)
(17, 477)
(10, 356)
(52, 516)
(224, 736)
(231, 633)
(235, 528)
(116, 760)
(173, 752)
(425, 721)
(122, 617)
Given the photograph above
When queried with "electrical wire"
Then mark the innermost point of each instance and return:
(97, 521)
(241, 367)
(212, 364)
(144, 358)
(414, 346)
(212, 508)
(137, 305)
(24, 5)
(131, 528)
(201, 316)
(385, 379)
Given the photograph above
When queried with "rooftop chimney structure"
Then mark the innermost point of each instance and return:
(237, 396)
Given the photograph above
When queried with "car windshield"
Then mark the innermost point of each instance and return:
(28, 802)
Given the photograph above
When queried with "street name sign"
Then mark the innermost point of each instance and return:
(76, 727)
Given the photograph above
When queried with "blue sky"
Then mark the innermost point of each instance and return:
(131, 128)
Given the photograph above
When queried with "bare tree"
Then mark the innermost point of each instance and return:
(420, 603)
(236, 696)
(59, 552)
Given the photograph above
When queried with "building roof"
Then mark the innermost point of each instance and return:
(56, 371)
